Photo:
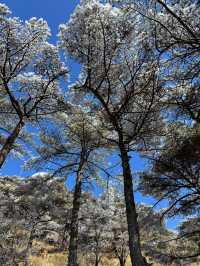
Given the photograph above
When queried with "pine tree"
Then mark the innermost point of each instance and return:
(30, 68)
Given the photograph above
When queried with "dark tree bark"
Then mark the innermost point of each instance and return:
(97, 258)
(7, 147)
(133, 229)
(122, 261)
(96, 261)
(73, 243)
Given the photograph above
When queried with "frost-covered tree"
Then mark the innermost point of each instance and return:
(119, 80)
(174, 176)
(9, 223)
(174, 26)
(72, 147)
(103, 230)
(118, 226)
(33, 208)
(30, 69)
(95, 230)
(152, 232)
(176, 30)
(44, 204)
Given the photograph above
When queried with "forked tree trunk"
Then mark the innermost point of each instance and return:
(73, 242)
(7, 147)
(97, 258)
(133, 229)
(121, 256)
(122, 261)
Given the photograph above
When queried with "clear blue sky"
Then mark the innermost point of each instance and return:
(55, 13)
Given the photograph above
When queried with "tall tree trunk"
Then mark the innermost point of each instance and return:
(133, 229)
(97, 258)
(96, 261)
(73, 243)
(122, 261)
(7, 147)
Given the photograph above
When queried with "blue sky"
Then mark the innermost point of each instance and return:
(55, 13)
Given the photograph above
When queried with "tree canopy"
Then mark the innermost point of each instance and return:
(137, 94)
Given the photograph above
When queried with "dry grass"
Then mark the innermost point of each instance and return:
(59, 259)
(48, 258)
